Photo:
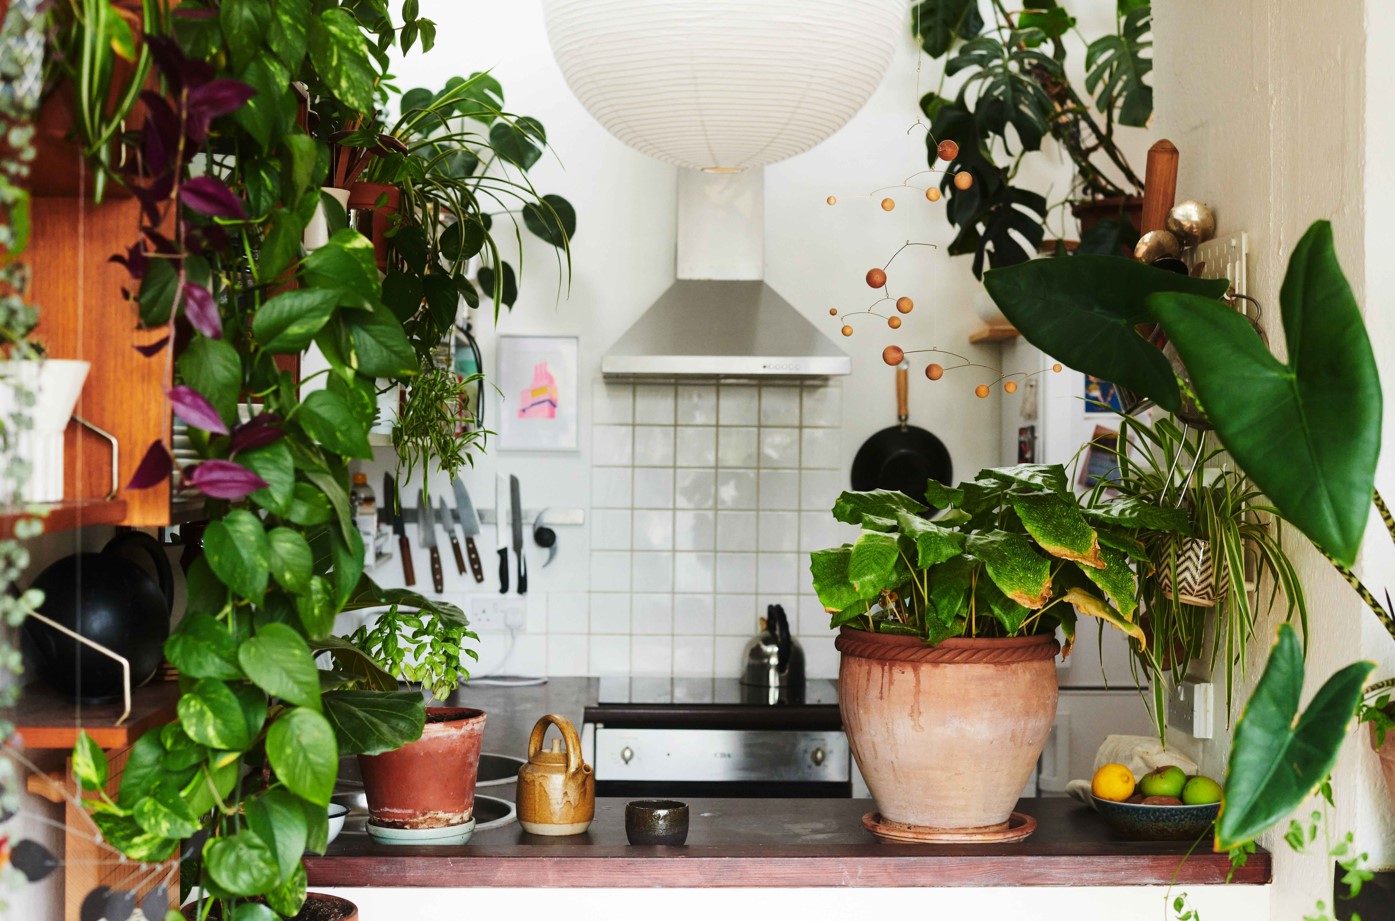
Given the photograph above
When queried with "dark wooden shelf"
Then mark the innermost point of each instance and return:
(773, 843)
(66, 515)
(47, 719)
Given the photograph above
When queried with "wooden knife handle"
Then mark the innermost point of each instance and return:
(476, 567)
(459, 557)
(438, 578)
(409, 575)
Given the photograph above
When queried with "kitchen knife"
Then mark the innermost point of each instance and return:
(443, 514)
(426, 533)
(394, 507)
(470, 526)
(501, 535)
(516, 520)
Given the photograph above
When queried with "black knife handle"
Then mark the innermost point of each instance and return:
(409, 575)
(476, 567)
(522, 573)
(459, 558)
(503, 570)
(438, 578)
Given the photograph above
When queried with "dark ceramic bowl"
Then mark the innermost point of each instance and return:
(1138, 822)
(656, 821)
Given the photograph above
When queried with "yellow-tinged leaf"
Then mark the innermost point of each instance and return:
(1094, 606)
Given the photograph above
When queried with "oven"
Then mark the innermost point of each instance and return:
(680, 737)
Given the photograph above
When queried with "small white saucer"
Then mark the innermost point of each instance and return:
(450, 834)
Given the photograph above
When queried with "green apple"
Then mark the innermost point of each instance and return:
(1201, 791)
(1165, 781)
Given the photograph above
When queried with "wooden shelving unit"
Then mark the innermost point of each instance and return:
(65, 516)
(47, 719)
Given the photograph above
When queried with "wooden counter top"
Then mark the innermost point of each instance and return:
(780, 843)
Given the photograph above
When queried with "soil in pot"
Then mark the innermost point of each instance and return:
(947, 736)
(429, 783)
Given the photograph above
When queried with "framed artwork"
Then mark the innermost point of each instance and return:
(1101, 462)
(1027, 444)
(1102, 396)
(537, 378)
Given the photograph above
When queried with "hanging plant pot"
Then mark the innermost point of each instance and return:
(372, 206)
(429, 783)
(1196, 574)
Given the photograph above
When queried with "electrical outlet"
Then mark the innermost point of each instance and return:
(498, 614)
(1191, 708)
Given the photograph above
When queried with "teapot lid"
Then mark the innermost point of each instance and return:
(555, 754)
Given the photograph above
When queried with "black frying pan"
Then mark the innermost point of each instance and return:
(902, 457)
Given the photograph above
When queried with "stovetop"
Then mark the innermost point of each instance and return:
(687, 692)
(712, 703)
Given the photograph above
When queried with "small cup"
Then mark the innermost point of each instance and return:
(656, 821)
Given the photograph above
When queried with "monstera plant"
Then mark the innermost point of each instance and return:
(1013, 553)
(1306, 430)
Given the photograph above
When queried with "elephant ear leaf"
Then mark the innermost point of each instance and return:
(1307, 432)
(1085, 311)
(1280, 758)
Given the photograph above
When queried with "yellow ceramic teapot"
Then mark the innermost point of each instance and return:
(556, 788)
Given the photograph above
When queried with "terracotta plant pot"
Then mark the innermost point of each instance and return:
(946, 736)
(1089, 213)
(429, 783)
(372, 219)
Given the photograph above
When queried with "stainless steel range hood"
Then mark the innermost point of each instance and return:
(720, 319)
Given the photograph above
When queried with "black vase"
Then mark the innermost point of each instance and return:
(111, 600)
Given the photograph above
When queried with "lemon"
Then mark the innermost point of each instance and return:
(1113, 782)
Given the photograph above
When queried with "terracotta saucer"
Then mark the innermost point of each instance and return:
(1017, 827)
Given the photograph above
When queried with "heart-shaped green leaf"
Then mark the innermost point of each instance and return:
(278, 660)
(237, 550)
(373, 722)
(1279, 758)
(1306, 431)
(301, 748)
(1084, 311)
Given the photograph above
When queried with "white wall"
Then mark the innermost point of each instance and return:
(1270, 108)
(623, 258)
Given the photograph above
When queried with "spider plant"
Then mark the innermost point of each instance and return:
(1167, 466)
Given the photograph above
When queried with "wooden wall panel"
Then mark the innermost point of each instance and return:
(83, 315)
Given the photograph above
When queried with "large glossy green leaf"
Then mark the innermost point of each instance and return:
(1116, 579)
(876, 564)
(933, 544)
(347, 263)
(289, 321)
(1279, 758)
(287, 34)
(1084, 311)
(244, 24)
(142, 768)
(301, 748)
(378, 347)
(273, 463)
(373, 722)
(278, 660)
(278, 818)
(1014, 564)
(1306, 431)
(237, 550)
(350, 659)
(939, 22)
(126, 835)
(242, 864)
(989, 599)
(947, 594)
(829, 569)
(1136, 512)
(1050, 477)
(163, 812)
(213, 368)
(1057, 526)
(339, 52)
(291, 559)
(328, 418)
(89, 763)
(882, 503)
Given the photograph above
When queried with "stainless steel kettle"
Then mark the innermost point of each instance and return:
(773, 658)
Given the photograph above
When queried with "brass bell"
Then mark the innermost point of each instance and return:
(1155, 245)
(1191, 222)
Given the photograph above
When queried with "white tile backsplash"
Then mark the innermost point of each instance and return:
(697, 404)
(705, 501)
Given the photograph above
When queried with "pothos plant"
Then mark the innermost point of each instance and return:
(1015, 62)
(1012, 554)
(1306, 430)
(227, 183)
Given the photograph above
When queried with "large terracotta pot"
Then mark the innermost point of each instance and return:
(946, 736)
(429, 783)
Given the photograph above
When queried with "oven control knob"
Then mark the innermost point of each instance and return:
(817, 756)
(626, 754)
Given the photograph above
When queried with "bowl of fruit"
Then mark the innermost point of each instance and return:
(1165, 805)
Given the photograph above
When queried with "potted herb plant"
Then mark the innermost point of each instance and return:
(948, 624)
(429, 782)
(1232, 542)
(1016, 95)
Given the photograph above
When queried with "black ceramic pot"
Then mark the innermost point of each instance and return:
(111, 600)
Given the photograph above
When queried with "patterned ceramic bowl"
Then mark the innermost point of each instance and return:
(1138, 822)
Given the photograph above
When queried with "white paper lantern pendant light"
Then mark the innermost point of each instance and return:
(724, 85)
